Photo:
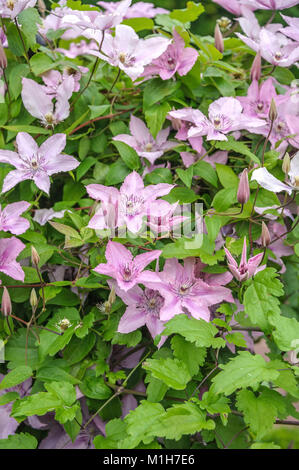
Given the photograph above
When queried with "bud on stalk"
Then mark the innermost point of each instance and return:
(41, 7)
(273, 111)
(34, 256)
(243, 193)
(6, 307)
(256, 68)
(219, 44)
(33, 299)
(286, 164)
(3, 59)
(266, 238)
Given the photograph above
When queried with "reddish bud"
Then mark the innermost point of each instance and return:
(243, 193)
(34, 256)
(3, 59)
(273, 111)
(266, 238)
(256, 68)
(219, 44)
(6, 307)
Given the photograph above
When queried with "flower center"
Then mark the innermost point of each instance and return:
(127, 271)
(278, 56)
(148, 147)
(280, 126)
(126, 60)
(151, 302)
(132, 204)
(49, 118)
(10, 4)
(217, 122)
(260, 106)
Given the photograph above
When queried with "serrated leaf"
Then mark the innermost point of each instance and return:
(15, 377)
(188, 353)
(171, 371)
(19, 441)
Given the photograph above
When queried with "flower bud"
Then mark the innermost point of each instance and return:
(266, 238)
(41, 7)
(3, 59)
(273, 111)
(286, 164)
(34, 256)
(112, 297)
(219, 44)
(256, 68)
(243, 193)
(6, 307)
(33, 299)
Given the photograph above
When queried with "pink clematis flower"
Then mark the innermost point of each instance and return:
(36, 163)
(217, 157)
(258, 100)
(124, 269)
(184, 292)
(42, 216)
(272, 4)
(138, 10)
(143, 309)
(10, 220)
(11, 8)
(235, 6)
(54, 79)
(131, 54)
(275, 48)
(40, 105)
(176, 58)
(131, 204)
(269, 182)
(225, 116)
(246, 269)
(144, 143)
(10, 248)
(182, 121)
(291, 31)
(80, 48)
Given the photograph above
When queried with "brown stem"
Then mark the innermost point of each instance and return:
(108, 116)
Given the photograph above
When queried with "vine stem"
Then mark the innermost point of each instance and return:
(100, 118)
(23, 43)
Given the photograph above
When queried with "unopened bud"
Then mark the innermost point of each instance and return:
(286, 164)
(41, 7)
(34, 256)
(266, 238)
(6, 307)
(112, 297)
(273, 111)
(243, 193)
(219, 44)
(3, 59)
(33, 299)
(256, 68)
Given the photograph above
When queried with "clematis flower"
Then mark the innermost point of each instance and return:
(176, 58)
(269, 182)
(131, 54)
(9, 425)
(138, 10)
(162, 218)
(40, 105)
(185, 293)
(246, 269)
(235, 6)
(182, 121)
(42, 216)
(11, 8)
(36, 163)
(124, 269)
(10, 220)
(91, 23)
(217, 157)
(10, 248)
(272, 4)
(143, 309)
(53, 79)
(291, 31)
(258, 100)
(80, 48)
(225, 115)
(144, 143)
(131, 204)
(275, 48)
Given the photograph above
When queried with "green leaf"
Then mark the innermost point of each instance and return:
(244, 370)
(226, 176)
(16, 376)
(186, 175)
(191, 13)
(179, 420)
(286, 333)
(128, 154)
(19, 441)
(199, 331)
(259, 412)
(155, 117)
(8, 397)
(14, 41)
(159, 175)
(173, 372)
(63, 390)
(156, 90)
(15, 350)
(260, 298)
(37, 404)
(94, 387)
(139, 24)
(206, 171)
(182, 195)
(116, 173)
(237, 147)
(97, 111)
(78, 348)
(29, 19)
(188, 353)
(225, 198)
(28, 129)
